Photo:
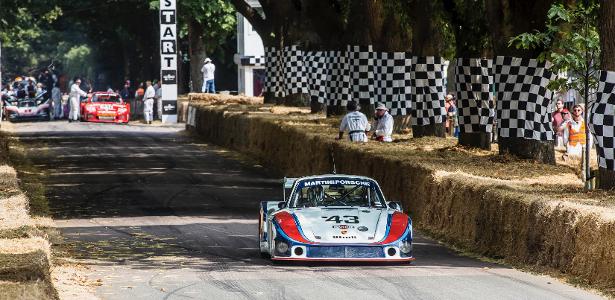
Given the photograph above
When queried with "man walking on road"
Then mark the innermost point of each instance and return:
(75, 95)
(148, 102)
(355, 122)
(208, 70)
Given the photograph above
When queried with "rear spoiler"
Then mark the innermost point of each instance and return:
(287, 184)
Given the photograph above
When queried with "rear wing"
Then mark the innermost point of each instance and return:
(287, 185)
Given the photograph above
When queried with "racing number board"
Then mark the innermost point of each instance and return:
(168, 59)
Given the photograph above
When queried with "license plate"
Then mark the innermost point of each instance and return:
(106, 118)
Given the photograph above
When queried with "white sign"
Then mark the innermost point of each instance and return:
(168, 59)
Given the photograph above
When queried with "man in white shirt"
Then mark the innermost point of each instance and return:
(355, 122)
(208, 70)
(148, 102)
(158, 99)
(383, 125)
(75, 96)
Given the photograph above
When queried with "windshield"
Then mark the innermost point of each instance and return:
(337, 192)
(106, 98)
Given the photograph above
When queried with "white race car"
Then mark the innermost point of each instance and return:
(334, 218)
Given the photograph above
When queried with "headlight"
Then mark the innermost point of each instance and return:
(405, 247)
(281, 247)
(121, 110)
(90, 109)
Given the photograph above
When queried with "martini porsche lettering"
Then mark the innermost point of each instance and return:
(334, 182)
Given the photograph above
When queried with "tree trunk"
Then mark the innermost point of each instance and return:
(528, 149)
(607, 42)
(437, 130)
(480, 140)
(508, 18)
(197, 54)
(427, 40)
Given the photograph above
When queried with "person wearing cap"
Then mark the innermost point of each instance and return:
(355, 122)
(208, 70)
(383, 124)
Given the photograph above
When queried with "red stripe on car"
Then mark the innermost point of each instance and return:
(287, 223)
(399, 224)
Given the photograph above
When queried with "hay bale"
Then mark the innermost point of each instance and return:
(220, 99)
(24, 259)
(37, 289)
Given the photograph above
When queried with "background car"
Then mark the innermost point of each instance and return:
(105, 107)
(36, 108)
(334, 218)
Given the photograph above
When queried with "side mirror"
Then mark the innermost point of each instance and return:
(395, 205)
(281, 205)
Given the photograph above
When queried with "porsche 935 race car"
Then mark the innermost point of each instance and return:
(105, 107)
(334, 218)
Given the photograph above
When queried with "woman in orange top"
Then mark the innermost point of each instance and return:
(574, 132)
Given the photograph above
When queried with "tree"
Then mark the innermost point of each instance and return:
(572, 44)
(472, 40)
(607, 42)
(508, 19)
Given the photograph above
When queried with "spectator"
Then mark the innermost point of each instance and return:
(158, 99)
(452, 125)
(573, 132)
(208, 70)
(355, 122)
(56, 100)
(383, 125)
(125, 93)
(75, 100)
(148, 102)
(560, 115)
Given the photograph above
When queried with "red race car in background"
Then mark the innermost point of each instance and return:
(105, 107)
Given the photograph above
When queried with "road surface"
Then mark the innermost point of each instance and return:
(156, 215)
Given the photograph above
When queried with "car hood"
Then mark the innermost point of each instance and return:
(343, 225)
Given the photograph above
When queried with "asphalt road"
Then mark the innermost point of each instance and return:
(157, 215)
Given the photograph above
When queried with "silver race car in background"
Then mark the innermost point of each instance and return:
(334, 218)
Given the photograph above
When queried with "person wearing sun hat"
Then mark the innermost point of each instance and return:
(383, 124)
(208, 70)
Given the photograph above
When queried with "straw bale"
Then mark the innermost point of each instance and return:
(24, 259)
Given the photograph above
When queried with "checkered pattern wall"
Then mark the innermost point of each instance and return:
(255, 61)
(474, 79)
(602, 120)
(296, 81)
(316, 66)
(361, 63)
(523, 106)
(274, 72)
(392, 81)
(427, 84)
(338, 79)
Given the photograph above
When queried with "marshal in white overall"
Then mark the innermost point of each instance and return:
(334, 218)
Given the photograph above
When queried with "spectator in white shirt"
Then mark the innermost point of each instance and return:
(208, 70)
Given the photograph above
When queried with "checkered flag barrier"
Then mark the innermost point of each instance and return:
(255, 61)
(474, 79)
(523, 106)
(317, 65)
(392, 81)
(274, 72)
(296, 81)
(602, 120)
(361, 61)
(338, 79)
(427, 85)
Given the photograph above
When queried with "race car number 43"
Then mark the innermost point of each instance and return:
(345, 219)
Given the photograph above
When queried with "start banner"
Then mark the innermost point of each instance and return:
(168, 60)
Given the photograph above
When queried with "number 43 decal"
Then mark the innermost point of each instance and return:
(346, 219)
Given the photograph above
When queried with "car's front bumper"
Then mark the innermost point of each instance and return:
(342, 252)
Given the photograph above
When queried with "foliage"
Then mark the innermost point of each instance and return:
(572, 44)
(79, 61)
